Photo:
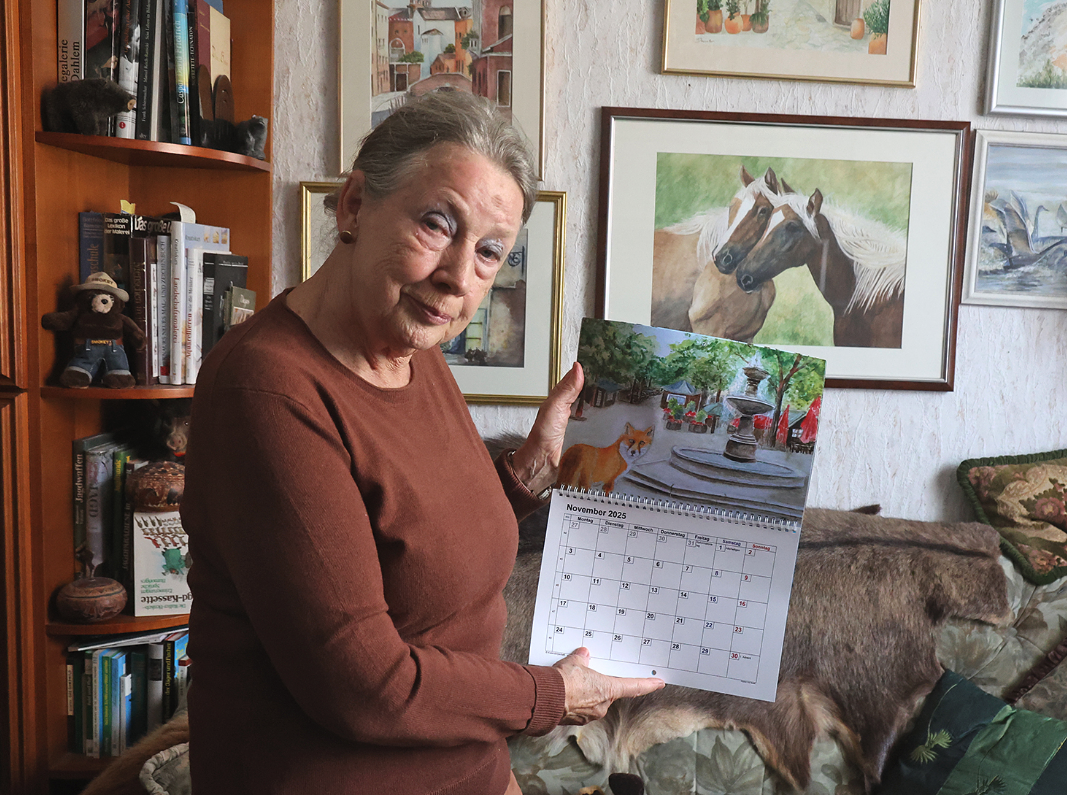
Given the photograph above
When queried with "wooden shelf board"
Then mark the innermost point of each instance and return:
(117, 626)
(161, 392)
(77, 766)
(150, 153)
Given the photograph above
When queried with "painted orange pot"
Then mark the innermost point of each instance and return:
(700, 26)
(733, 25)
(746, 22)
(859, 27)
(714, 23)
(877, 44)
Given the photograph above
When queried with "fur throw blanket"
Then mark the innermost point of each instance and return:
(868, 597)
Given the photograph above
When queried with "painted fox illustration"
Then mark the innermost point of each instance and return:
(582, 465)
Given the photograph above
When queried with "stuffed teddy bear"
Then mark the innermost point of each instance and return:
(98, 327)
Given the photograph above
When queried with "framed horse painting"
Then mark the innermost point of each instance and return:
(841, 41)
(834, 237)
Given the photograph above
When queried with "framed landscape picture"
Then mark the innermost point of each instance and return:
(510, 351)
(390, 53)
(843, 41)
(1017, 246)
(318, 229)
(1028, 58)
(834, 237)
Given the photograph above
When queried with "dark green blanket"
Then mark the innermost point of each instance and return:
(967, 742)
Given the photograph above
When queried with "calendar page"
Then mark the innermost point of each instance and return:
(698, 600)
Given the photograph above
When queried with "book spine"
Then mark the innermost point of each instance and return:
(153, 316)
(194, 315)
(118, 232)
(129, 64)
(154, 691)
(178, 279)
(118, 501)
(171, 107)
(72, 734)
(203, 72)
(163, 311)
(70, 30)
(106, 703)
(87, 707)
(139, 684)
(181, 69)
(90, 244)
(168, 678)
(140, 256)
(146, 70)
(96, 720)
(79, 498)
(97, 502)
(194, 80)
(102, 19)
(118, 705)
(126, 699)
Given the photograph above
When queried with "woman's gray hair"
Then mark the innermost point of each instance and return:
(397, 146)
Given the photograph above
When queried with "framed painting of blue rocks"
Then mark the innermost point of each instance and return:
(1017, 248)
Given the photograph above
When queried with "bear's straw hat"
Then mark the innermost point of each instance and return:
(105, 284)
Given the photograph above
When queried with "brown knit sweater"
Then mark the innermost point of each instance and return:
(350, 549)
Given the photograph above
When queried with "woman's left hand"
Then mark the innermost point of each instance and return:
(537, 461)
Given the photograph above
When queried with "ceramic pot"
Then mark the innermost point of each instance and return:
(700, 26)
(746, 22)
(760, 27)
(733, 25)
(877, 44)
(91, 599)
(859, 27)
(674, 425)
(714, 23)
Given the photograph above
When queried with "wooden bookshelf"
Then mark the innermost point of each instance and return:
(45, 180)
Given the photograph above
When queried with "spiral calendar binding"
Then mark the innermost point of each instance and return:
(684, 509)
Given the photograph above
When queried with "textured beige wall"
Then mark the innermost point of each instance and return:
(897, 448)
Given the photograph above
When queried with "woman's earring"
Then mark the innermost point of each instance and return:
(346, 237)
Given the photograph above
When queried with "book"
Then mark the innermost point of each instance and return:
(163, 304)
(238, 306)
(129, 47)
(194, 79)
(126, 702)
(222, 272)
(142, 267)
(78, 448)
(154, 690)
(138, 721)
(181, 71)
(118, 700)
(122, 641)
(147, 120)
(70, 34)
(75, 699)
(187, 236)
(126, 531)
(160, 564)
(174, 647)
(90, 244)
(170, 107)
(205, 104)
(101, 39)
(99, 504)
(219, 38)
(94, 720)
(673, 534)
(120, 458)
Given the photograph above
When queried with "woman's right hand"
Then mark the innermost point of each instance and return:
(589, 694)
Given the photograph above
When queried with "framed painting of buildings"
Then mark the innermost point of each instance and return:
(843, 41)
(1028, 59)
(510, 351)
(834, 237)
(1017, 245)
(390, 53)
(318, 230)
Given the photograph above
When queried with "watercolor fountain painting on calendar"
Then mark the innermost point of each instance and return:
(675, 416)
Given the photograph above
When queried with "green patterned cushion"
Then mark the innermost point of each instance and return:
(1025, 498)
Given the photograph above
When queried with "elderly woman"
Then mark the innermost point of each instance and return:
(351, 535)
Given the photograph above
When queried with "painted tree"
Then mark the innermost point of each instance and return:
(614, 352)
(792, 376)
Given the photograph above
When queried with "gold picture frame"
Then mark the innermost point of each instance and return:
(693, 46)
(316, 226)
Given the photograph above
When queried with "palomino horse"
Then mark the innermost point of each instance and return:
(858, 266)
(690, 295)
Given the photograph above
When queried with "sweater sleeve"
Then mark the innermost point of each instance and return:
(523, 501)
(271, 496)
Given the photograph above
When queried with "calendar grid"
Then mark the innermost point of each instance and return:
(655, 596)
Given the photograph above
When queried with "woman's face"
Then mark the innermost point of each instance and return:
(426, 255)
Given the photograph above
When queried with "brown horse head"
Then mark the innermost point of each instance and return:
(789, 241)
(749, 213)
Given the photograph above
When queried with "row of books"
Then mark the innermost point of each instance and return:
(121, 688)
(166, 53)
(185, 286)
(146, 551)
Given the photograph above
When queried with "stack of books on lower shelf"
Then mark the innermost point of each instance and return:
(120, 688)
(185, 286)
